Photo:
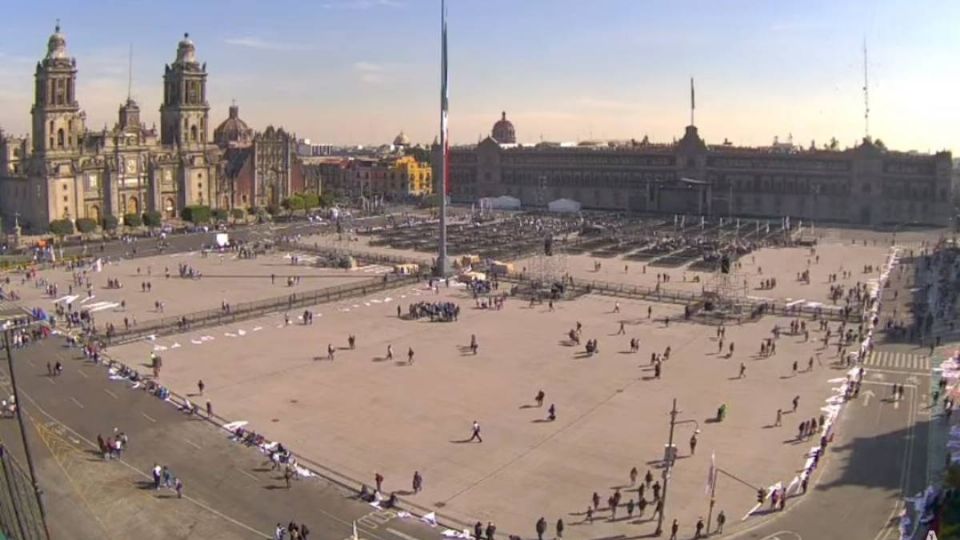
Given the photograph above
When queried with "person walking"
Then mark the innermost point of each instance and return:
(330, 351)
(596, 501)
(648, 478)
(622, 330)
(491, 530)
(721, 519)
(541, 527)
(476, 433)
(693, 444)
(743, 371)
(287, 476)
(410, 356)
(699, 532)
(539, 398)
(178, 487)
(389, 352)
(560, 528)
(417, 482)
(378, 479)
(796, 403)
(633, 476)
(674, 529)
(200, 386)
(778, 423)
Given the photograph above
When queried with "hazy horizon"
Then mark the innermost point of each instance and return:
(360, 71)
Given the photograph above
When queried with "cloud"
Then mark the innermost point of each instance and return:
(362, 4)
(372, 73)
(253, 42)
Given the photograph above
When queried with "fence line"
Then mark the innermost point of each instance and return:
(250, 310)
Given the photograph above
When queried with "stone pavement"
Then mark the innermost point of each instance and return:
(360, 414)
(226, 278)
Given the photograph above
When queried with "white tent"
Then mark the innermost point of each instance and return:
(564, 205)
(503, 202)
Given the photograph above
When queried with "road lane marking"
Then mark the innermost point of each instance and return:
(395, 532)
(111, 394)
(82, 374)
(77, 402)
(148, 417)
(245, 473)
(193, 444)
(197, 502)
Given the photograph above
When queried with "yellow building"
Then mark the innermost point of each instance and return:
(411, 176)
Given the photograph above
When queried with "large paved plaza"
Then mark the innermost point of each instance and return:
(220, 277)
(361, 414)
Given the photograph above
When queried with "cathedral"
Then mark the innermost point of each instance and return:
(66, 171)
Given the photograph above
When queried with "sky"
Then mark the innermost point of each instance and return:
(360, 71)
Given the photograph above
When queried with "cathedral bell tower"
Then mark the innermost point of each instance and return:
(183, 114)
(57, 119)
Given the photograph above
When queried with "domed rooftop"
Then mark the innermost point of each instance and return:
(233, 131)
(186, 50)
(57, 44)
(503, 131)
(401, 140)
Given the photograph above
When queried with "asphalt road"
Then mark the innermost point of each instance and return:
(229, 491)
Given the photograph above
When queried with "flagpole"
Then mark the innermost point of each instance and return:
(442, 252)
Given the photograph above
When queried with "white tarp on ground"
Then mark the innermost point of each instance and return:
(503, 202)
(564, 205)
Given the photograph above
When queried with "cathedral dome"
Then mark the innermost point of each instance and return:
(503, 131)
(401, 140)
(57, 44)
(186, 50)
(233, 131)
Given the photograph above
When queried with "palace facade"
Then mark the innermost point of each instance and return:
(864, 185)
(66, 171)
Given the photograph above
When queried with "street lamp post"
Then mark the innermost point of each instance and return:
(23, 433)
(669, 462)
(717, 471)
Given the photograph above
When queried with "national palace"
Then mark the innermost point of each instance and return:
(865, 185)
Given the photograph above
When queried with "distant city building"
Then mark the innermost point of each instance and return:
(67, 171)
(867, 184)
(258, 170)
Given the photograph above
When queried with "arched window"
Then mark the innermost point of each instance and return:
(60, 138)
(193, 133)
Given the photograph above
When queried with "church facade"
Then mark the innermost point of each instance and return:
(66, 171)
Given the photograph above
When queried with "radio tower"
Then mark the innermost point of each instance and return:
(866, 93)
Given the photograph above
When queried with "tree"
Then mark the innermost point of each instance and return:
(238, 214)
(293, 203)
(326, 200)
(152, 219)
(110, 222)
(311, 200)
(132, 220)
(61, 227)
(419, 153)
(86, 225)
(272, 209)
(220, 215)
(196, 214)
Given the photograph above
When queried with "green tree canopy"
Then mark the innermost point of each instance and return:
(152, 219)
(61, 227)
(86, 225)
(132, 220)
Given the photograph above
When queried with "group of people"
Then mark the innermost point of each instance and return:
(437, 311)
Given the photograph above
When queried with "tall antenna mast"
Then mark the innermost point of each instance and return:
(130, 73)
(866, 93)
